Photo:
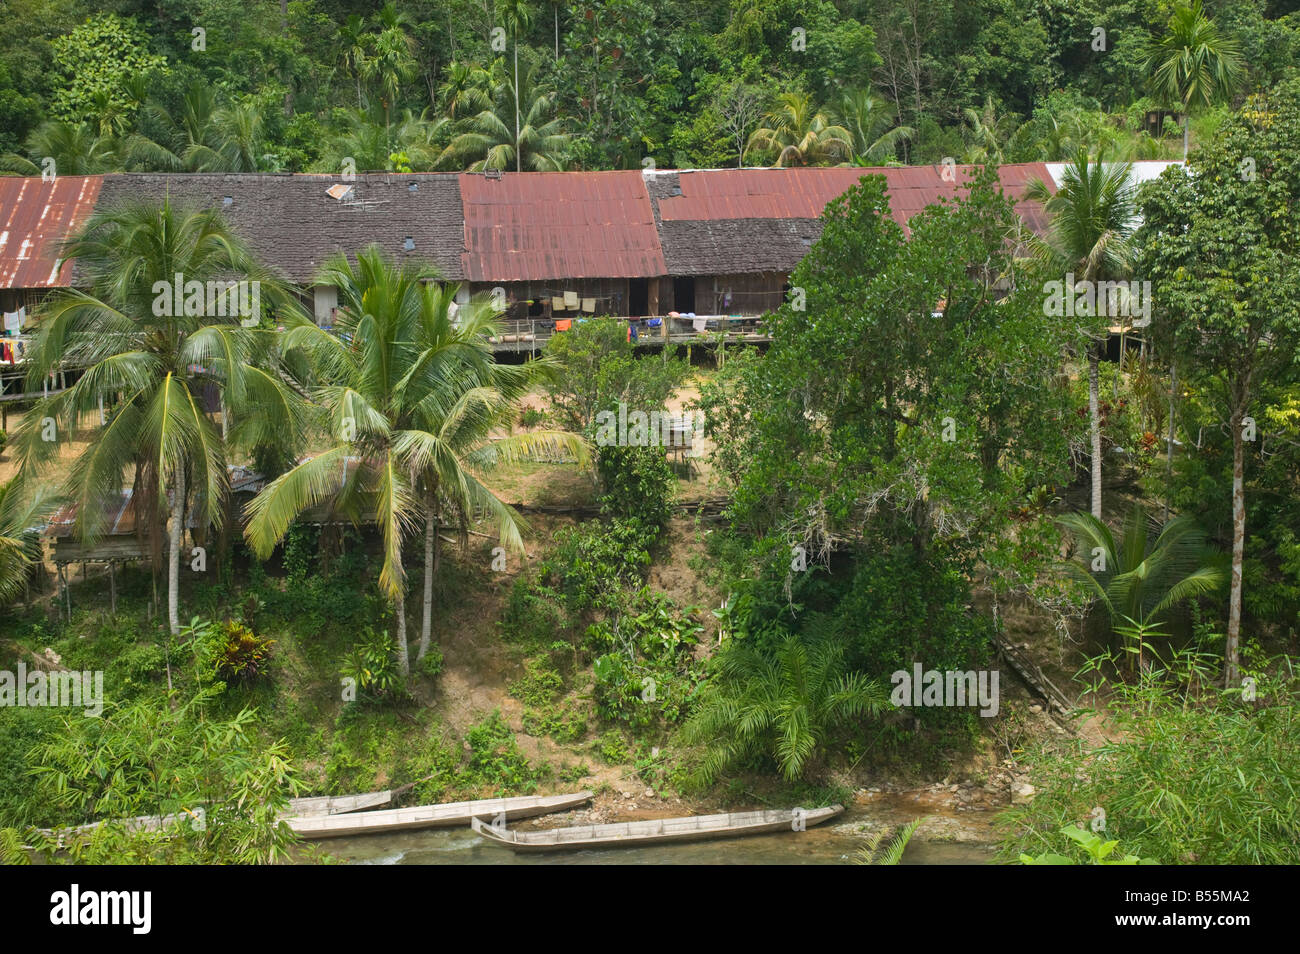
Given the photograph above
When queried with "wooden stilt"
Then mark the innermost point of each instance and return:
(112, 588)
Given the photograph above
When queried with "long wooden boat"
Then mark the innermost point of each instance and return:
(298, 807)
(336, 804)
(433, 816)
(628, 834)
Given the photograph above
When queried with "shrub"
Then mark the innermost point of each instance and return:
(590, 564)
(637, 483)
(645, 669)
(238, 654)
(495, 758)
(372, 665)
(533, 614)
(431, 665)
(539, 685)
(613, 747)
(903, 608)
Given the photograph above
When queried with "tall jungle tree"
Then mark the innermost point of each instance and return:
(1223, 249)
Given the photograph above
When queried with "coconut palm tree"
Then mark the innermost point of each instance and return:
(1139, 580)
(201, 137)
(20, 548)
(489, 143)
(147, 363)
(1194, 64)
(77, 149)
(984, 134)
(377, 147)
(414, 404)
(801, 135)
(392, 57)
(1093, 214)
(518, 17)
(865, 117)
(355, 45)
(465, 89)
(783, 704)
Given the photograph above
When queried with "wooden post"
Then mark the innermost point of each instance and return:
(112, 588)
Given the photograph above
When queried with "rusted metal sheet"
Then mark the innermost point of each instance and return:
(36, 216)
(555, 225)
(723, 194)
(118, 515)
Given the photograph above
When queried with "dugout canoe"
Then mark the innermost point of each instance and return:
(655, 831)
(336, 804)
(433, 816)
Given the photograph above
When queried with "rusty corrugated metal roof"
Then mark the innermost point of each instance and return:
(35, 217)
(721, 194)
(518, 227)
(553, 225)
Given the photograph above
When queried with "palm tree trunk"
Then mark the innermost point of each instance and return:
(518, 161)
(399, 612)
(431, 555)
(1232, 667)
(1094, 426)
(1169, 453)
(176, 525)
(1187, 129)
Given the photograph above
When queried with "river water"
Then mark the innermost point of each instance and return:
(834, 843)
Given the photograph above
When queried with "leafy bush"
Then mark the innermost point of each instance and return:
(613, 747)
(21, 732)
(786, 707)
(644, 666)
(591, 563)
(1095, 849)
(563, 723)
(902, 608)
(431, 665)
(495, 759)
(237, 654)
(637, 483)
(372, 665)
(150, 758)
(539, 686)
(533, 614)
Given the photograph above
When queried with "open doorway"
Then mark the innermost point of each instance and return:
(684, 294)
(638, 297)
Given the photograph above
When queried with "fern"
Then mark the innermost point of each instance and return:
(891, 854)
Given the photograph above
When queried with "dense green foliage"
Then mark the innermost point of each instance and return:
(1192, 775)
(1223, 251)
(431, 83)
(224, 786)
(895, 459)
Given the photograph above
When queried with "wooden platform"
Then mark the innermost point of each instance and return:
(433, 816)
(631, 834)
